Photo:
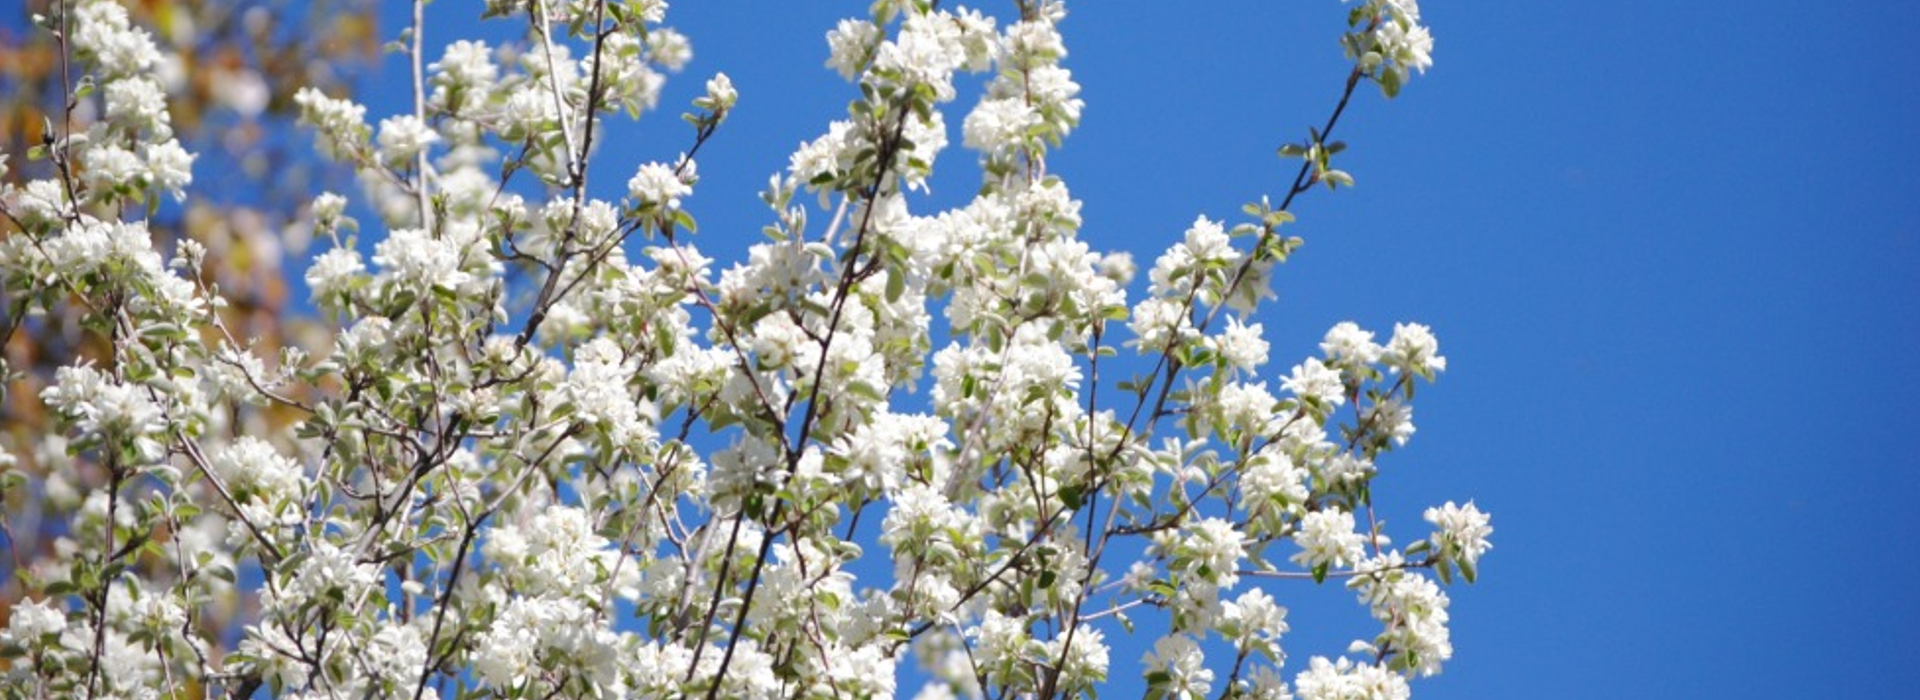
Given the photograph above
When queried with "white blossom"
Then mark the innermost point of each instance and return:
(1314, 380)
(250, 467)
(1414, 350)
(850, 43)
(170, 167)
(1346, 680)
(412, 258)
(1461, 531)
(1326, 539)
(31, 621)
(334, 272)
(1349, 348)
(656, 185)
(403, 137)
(720, 92)
(1180, 659)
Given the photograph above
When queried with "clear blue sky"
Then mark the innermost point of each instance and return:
(1672, 251)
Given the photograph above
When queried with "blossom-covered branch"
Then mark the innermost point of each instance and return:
(553, 449)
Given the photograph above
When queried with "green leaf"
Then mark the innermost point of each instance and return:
(1389, 80)
(1072, 496)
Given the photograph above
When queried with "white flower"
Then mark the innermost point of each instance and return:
(136, 102)
(464, 64)
(1412, 608)
(241, 90)
(413, 258)
(527, 110)
(1214, 548)
(1345, 468)
(250, 467)
(863, 672)
(1327, 539)
(1393, 419)
(1314, 380)
(1054, 92)
(557, 553)
(1272, 475)
(1462, 531)
(849, 45)
(1180, 659)
(170, 167)
(929, 137)
(1345, 680)
(1207, 242)
(926, 52)
(99, 405)
(1268, 684)
(976, 33)
(341, 123)
(1118, 267)
(1240, 345)
(1001, 641)
(327, 208)
(1409, 45)
(1349, 348)
(396, 652)
(1034, 43)
(333, 273)
(112, 167)
(31, 621)
(720, 92)
(1407, 9)
(1086, 661)
(403, 137)
(1245, 407)
(101, 28)
(1156, 323)
(40, 203)
(1254, 616)
(655, 11)
(328, 570)
(873, 454)
(1415, 350)
(598, 390)
(562, 631)
(669, 48)
(997, 127)
(831, 154)
(656, 186)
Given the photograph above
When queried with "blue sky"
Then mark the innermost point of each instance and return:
(1672, 251)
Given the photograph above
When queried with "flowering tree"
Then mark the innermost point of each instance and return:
(227, 80)
(555, 451)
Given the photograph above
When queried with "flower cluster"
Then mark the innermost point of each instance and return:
(1391, 42)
